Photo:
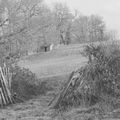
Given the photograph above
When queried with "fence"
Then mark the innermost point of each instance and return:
(5, 86)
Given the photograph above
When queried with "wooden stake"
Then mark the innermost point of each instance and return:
(3, 98)
(5, 86)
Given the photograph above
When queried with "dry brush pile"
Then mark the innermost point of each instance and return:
(98, 82)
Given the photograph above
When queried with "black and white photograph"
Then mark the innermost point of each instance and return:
(59, 59)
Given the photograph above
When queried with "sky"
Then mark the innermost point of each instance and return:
(108, 9)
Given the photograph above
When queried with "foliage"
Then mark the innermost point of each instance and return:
(89, 28)
(26, 85)
(26, 25)
(33, 20)
(63, 21)
(97, 82)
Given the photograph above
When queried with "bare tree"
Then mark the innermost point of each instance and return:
(63, 19)
(96, 28)
(89, 29)
(15, 20)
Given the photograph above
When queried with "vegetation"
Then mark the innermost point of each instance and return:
(26, 25)
(26, 85)
(95, 83)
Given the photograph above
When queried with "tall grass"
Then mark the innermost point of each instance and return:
(100, 81)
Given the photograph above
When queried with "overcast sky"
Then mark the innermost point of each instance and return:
(108, 9)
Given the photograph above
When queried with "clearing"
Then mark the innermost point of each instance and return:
(62, 60)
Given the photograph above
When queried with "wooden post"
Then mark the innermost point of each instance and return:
(5, 86)
(3, 98)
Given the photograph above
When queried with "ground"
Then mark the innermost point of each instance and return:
(37, 109)
(55, 65)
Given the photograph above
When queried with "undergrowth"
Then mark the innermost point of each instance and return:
(26, 85)
(98, 82)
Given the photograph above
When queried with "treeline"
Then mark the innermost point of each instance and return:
(25, 25)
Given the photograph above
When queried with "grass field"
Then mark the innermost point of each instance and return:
(54, 63)
(61, 60)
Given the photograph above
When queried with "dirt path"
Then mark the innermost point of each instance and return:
(35, 109)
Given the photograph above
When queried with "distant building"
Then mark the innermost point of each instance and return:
(45, 47)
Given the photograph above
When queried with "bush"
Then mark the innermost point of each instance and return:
(26, 85)
(98, 81)
(103, 70)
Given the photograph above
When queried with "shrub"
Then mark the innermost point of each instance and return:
(26, 85)
(98, 81)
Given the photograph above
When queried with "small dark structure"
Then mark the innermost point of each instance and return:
(45, 47)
